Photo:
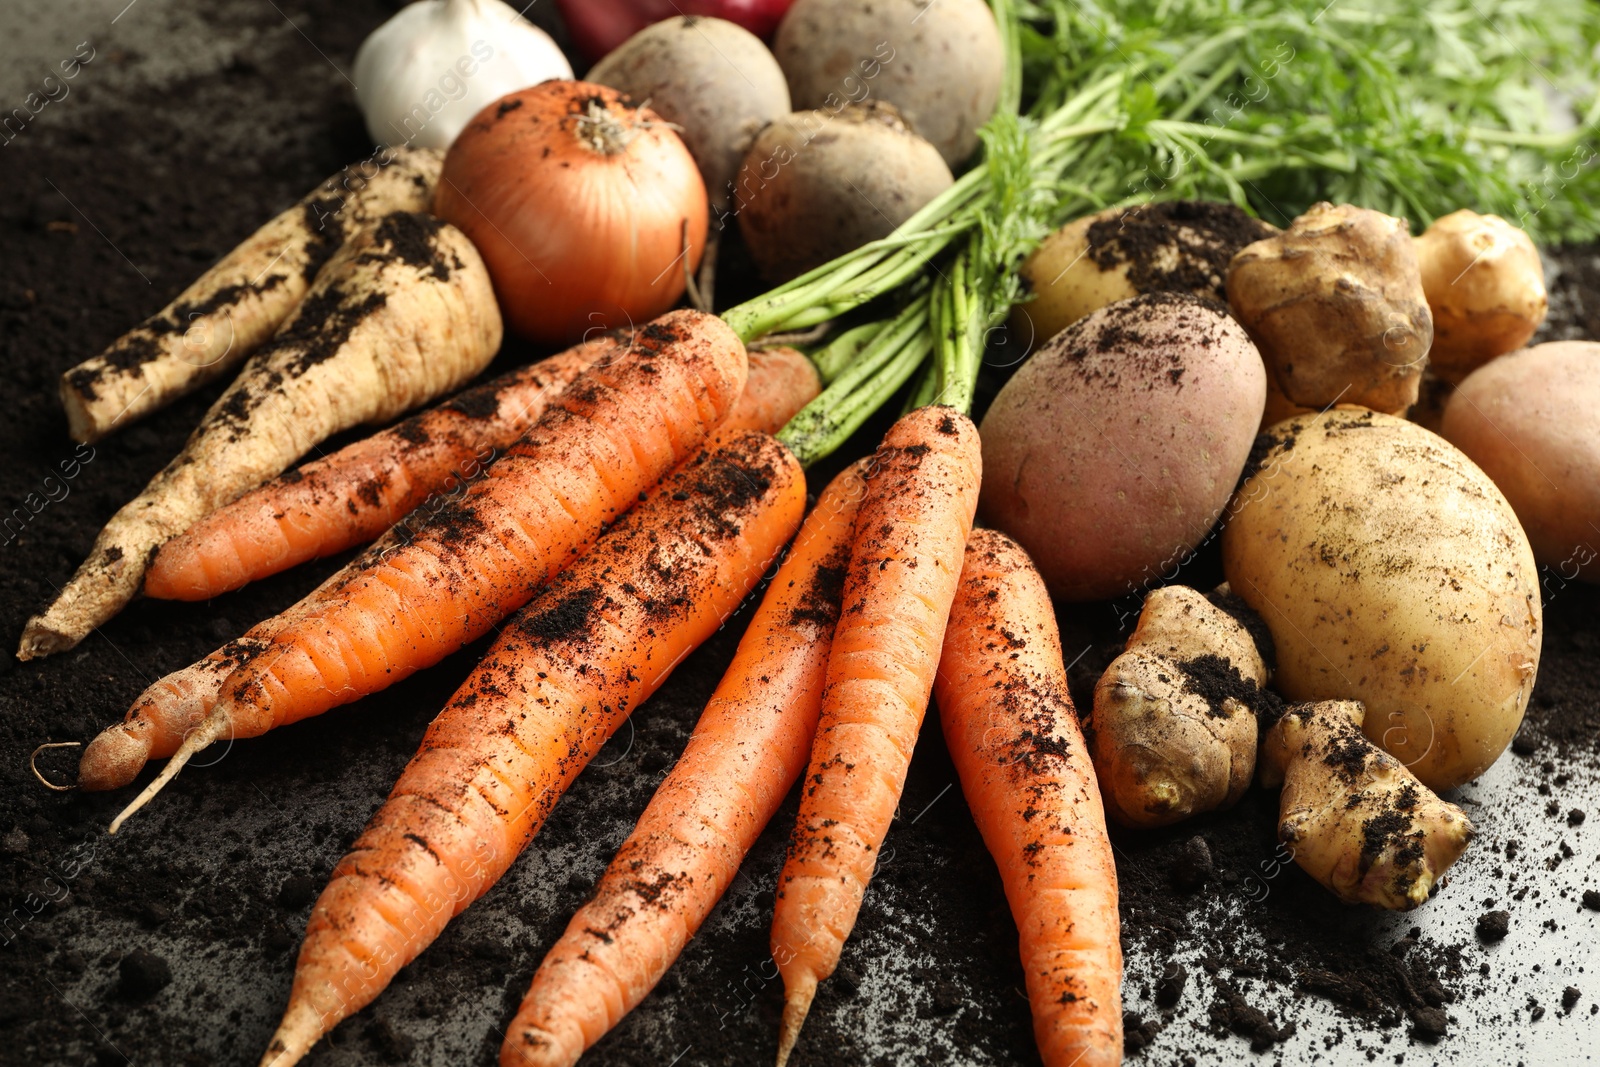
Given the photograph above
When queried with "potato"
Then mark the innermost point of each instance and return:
(816, 185)
(1390, 570)
(713, 79)
(1335, 303)
(1530, 421)
(1485, 285)
(940, 64)
(1181, 246)
(1111, 452)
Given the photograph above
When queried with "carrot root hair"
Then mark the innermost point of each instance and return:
(796, 1006)
(203, 737)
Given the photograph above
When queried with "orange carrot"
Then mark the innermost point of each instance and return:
(560, 679)
(921, 492)
(165, 714)
(1024, 767)
(606, 439)
(781, 382)
(352, 496)
(747, 750)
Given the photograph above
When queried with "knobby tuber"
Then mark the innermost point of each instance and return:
(1356, 818)
(1174, 727)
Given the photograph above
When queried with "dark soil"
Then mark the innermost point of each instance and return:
(173, 942)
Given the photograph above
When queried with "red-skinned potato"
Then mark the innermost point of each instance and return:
(1112, 451)
(1529, 420)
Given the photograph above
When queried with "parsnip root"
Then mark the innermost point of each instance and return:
(237, 305)
(401, 317)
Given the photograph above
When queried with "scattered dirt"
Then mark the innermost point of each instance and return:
(1178, 245)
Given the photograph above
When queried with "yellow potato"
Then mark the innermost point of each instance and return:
(1485, 286)
(1178, 246)
(1390, 570)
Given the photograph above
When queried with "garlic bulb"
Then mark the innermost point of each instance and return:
(422, 75)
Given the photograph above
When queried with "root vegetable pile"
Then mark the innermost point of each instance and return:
(608, 508)
(746, 752)
(564, 674)
(393, 321)
(606, 439)
(780, 382)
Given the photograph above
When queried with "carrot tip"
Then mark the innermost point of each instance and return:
(301, 1027)
(796, 1005)
(207, 732)
(113, 759)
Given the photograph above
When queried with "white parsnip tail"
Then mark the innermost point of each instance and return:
(396, 319)
(237, 305)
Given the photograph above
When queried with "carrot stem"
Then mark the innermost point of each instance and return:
(879, 368)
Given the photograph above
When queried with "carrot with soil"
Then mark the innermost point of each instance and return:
(1014, 738)
(352, 496)
(922, 490)
(562, 677)
(605, 440)
(237, 305)
(392, 322)
(747, 750)
(780, 383)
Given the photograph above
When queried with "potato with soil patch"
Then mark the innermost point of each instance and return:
(1180, 246)
(818, 184)
(941, 63)
(1112, 451)
(1529, 420)
(714, 80)
(1390, 570)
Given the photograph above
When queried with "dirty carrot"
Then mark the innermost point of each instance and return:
(922, 489)
(349, 498)
(237, 305)
(601, 444)
(747, 750)
(1014, 738)
(781, 382)
(564, 674)
(393, 321)
(172, 707)
(352, 496)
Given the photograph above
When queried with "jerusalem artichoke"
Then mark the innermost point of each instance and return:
(1357, 819)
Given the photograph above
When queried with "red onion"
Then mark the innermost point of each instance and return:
(598, 26)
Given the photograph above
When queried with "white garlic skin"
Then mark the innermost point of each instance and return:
(423, 75)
